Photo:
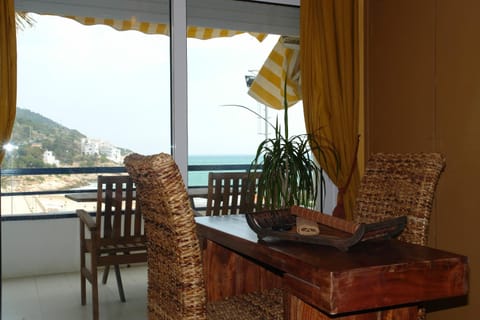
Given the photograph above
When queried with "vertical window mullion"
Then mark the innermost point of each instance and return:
(178, 83)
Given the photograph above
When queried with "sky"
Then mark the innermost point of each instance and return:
(115, 86)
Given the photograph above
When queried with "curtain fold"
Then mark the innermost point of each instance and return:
(8, 72)
(330, 77)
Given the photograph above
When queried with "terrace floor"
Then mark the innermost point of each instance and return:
(57, 297)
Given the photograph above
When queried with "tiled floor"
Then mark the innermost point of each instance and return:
(57, 297)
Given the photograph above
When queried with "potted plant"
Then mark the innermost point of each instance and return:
(289, 174)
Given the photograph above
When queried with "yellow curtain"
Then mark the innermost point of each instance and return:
(8, 72)
(330, 77)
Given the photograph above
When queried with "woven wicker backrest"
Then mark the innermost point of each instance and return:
(175, 279)
(400, 184)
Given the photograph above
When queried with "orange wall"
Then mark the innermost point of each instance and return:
(422, 92)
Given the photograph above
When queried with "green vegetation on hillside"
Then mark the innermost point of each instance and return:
(33, 134)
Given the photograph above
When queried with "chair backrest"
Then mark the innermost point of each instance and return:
(122, 217)
(175, 273)
(400, 184)
(231, 192)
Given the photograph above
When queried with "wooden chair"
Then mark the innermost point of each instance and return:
(400, 184)
(231, 193)
(176, 287)
(116, 235)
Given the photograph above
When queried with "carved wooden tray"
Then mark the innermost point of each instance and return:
(335, 232)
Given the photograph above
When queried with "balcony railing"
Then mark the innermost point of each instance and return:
(64, 211)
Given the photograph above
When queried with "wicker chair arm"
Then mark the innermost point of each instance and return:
(86, 219)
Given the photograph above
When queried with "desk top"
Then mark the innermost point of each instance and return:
(370, 275)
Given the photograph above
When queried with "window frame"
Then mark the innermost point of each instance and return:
(283, 18)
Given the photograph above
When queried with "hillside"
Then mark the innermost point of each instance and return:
(34, 134)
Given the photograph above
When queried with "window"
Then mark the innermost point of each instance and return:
(87, 96)
(114, 87)
(220, 131)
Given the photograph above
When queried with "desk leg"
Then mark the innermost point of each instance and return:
(296, 309)
(227, 273)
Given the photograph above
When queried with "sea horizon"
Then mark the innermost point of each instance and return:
(200, 178)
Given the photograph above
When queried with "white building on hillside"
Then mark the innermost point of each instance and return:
(90, 147)
(98, 147)
(112, 153)
(49, 158)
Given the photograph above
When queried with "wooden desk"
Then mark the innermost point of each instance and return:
(374, 280)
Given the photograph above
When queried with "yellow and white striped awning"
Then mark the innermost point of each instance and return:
(160, 28)
(281, 70)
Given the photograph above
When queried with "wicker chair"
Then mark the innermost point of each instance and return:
(231, 193)
(400, 184)
(175, 273)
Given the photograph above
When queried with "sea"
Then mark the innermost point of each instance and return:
(200, 178)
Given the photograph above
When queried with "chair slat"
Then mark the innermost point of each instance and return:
(128, 210)
(231, 192)
(118, 216)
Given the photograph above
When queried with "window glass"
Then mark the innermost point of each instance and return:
(221, 129)
(87, 96)
(109, 85)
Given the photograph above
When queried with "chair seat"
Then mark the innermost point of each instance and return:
(108, 246)
(250, 306)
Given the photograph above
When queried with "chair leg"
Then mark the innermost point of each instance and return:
(83, 294)
(119, 282)
(94, 281)
(95, 297)
(105, 274)
(83, 289)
